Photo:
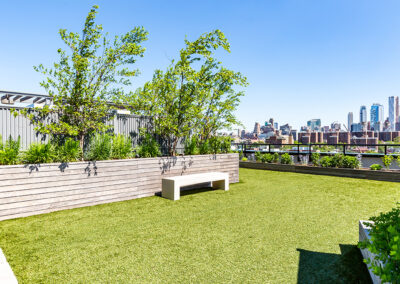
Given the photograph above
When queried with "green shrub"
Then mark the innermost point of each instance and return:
(121, 147)
(219, 144)
(267, 158)
(99, 147)
(337, 161)
(326, 162)
(258, 156)
(204, 148)
(9, 151)
(376, 167)
(38, 153)
(315, 157)
(69, 151)
(191, 146)
(275, 157)
(244, 159)
(387, 161)
(384, 242)
(350, 162)
(148, 147)
(286, 159)
(226, 145)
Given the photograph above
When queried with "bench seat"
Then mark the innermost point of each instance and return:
(171, 186)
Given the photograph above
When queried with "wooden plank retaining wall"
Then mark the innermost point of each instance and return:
(35, 189)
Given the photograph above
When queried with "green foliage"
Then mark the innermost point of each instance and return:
(204, 147)
(326, 162)
(195, 94)
(219, 144)
(269, 158)
(244, 159)
(286, 159)
(121, 147)
(67, 151)
(258, 156)
(315, 157)
(384, 242)
(100, 147)
(191, 146)
(275, 157)
(376, 167)
(326, 148)
(148, 147)
(9, 151)
(39, 153)
(93, 71)
(213, 145)
(387, 161)
(337, 161)
(226, 144)
(350, 162)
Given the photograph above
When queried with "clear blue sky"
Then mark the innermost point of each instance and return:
(303, 59)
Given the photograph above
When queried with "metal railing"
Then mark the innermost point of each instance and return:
(324, 149)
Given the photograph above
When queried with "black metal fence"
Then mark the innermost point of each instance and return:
(372, 150)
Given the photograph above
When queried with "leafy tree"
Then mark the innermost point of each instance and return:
(82, 83)
(194, 95)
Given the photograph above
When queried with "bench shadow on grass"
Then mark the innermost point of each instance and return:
(193, 189)
(319, 267)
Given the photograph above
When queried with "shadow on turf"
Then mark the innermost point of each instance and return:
(319, 267)
(193, 189)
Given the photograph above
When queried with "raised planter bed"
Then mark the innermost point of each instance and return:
(34, 189)
(393, 176)
(363, 233)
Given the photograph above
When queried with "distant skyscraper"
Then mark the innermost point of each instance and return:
(397, 108)
(349, 120)
(363, 114)
(257, 129)
(391, 112)
(356, 127)
(377, 116)
(314, 124)
(335, 126)
(276, 125)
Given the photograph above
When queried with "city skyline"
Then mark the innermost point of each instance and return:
(375, 115)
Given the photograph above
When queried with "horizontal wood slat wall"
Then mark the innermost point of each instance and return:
(36, 189)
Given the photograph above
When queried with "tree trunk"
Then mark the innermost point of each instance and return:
(81, 143)
(173, 147)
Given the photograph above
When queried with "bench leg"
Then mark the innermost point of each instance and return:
(223, 184)
(170, 190)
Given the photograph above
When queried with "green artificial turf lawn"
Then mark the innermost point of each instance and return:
(272, 227)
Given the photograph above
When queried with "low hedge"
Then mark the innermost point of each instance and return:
(336, 161)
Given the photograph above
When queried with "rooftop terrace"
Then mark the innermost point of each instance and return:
(272, 227)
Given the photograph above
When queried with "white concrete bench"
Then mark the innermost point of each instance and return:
(171, 186)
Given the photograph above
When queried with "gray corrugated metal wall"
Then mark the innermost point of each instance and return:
(20, 126)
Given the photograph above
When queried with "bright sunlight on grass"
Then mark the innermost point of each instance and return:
(272, 227)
